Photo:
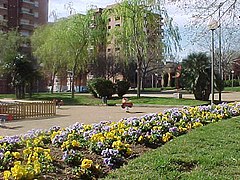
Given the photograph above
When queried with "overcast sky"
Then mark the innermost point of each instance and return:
(59, 7)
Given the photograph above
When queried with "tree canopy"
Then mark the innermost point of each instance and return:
(141, 33)
(66, 43)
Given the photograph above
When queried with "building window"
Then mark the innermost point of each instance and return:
(109, 19)
(5, 5)
(109, 27)
(24, 21)
(117, 49)
(109, 50)
(36, 3)
(25, 33)
(36, 14)
(117, 25)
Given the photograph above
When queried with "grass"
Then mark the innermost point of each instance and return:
(210, 152)
(83, 99)
(86, 99)
(160, 101)
(152, 90)
(11, 96)
(236, 89)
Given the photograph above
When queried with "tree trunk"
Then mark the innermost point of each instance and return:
(52, 83)
(73, 79)
(138, 82)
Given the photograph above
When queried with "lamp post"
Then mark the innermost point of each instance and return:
(220, 48)
(213, 25)
(232, 77)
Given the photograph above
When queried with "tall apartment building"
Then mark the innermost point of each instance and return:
(23, 14)
(154, 35)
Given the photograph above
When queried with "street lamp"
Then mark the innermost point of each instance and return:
(232, 76)
(220, 48)
(212, 25)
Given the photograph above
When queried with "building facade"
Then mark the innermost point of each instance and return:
(24, 15)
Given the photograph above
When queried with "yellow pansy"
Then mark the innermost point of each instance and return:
(166, 137)
(37, 167)
(197, 124)
(86, 163)
(75, 143)
(16, 155)
(6, 175)
(7, 153)
(140, 139)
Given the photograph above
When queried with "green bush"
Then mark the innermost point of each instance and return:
(100, 87)
(228, 83)
(122, 88)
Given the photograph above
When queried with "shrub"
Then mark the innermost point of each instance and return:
(228, 83)
(100, 87)
(122, 88)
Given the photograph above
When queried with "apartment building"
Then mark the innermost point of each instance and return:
(154, 35)
(23, 14)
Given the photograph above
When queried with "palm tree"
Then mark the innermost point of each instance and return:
(196, 75)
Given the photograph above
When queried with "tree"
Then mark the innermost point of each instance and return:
(22, 73)
(15, 64)
(132, 36)
(46, 49)
(10, 44)
(196, 75)
(75, 37)
(226, 12)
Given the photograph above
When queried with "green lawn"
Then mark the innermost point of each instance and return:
(210, 152)
(11, 96)
(237, 89)
(160, 101)
(86, 99)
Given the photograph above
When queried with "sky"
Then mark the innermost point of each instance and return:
(58, 9)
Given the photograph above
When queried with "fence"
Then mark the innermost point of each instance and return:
(28, 109)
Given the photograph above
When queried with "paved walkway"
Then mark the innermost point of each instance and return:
(68, 115)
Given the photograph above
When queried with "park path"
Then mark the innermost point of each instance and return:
(68, 115)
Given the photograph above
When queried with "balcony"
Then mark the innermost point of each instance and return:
(29, 2)
(26, 26)
(3, 22)
(3, 6)
(27, 13)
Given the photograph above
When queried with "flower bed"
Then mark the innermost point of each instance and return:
(92, 151)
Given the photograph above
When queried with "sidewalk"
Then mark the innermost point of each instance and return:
(68, 115)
